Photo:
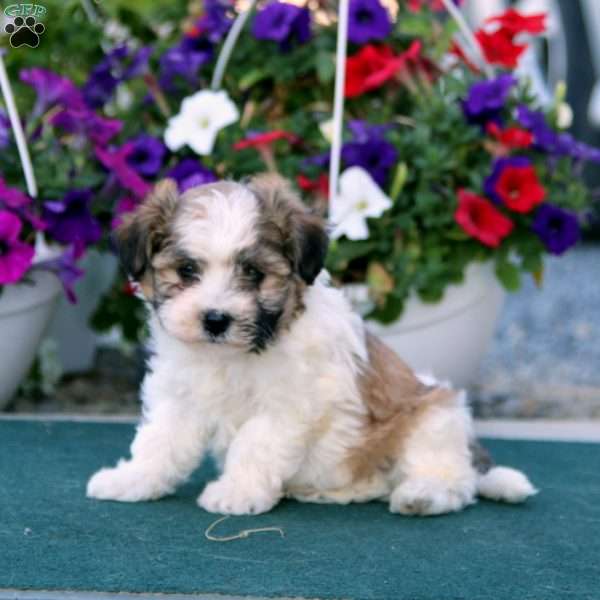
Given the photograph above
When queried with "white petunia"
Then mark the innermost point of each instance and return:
(359, 197)
(200, 119)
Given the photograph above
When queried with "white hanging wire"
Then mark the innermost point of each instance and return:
(229, 45)
(468, 35)
(17, 128)
(338, 99)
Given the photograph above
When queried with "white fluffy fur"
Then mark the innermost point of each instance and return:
(505, 484)
(282, 422)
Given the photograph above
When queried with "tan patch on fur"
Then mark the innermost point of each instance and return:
(146, 232)
(395, 400)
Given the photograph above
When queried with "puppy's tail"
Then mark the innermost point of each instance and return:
(505, 485)
(498, 483)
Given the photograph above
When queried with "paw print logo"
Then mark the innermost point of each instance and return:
(25, 32)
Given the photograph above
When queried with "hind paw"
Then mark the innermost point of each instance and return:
(430, 497)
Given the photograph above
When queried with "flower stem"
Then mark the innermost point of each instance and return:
(157, 94)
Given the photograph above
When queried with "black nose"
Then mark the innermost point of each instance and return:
(216, 323)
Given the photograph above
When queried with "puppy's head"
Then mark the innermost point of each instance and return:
(224, 263)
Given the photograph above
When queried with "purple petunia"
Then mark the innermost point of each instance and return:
(120, 64)
(552, 142)
(70, 221)
(370, 150)
(557, 228)
(368, 20)
(363, 131)
(66, 269)
(51, 89)
(84, 122)
(15, 256)
(500, 164)
(184, 61)
(283, 23)
(216, 21)
(5, 130)
(190, 173)
(486, 99)
(147, 155)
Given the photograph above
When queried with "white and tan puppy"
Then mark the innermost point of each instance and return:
(256, 359)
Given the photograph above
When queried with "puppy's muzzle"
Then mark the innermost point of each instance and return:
(216, 323)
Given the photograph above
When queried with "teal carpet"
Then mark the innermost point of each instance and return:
(53, 538)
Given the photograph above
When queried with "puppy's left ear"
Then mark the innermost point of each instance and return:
(303, 233)
(311, 243)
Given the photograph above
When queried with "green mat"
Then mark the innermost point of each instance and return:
(53, 538)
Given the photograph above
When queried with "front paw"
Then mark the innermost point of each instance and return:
(125, 483)
(229, 497)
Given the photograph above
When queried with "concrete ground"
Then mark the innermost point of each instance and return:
(545, 359)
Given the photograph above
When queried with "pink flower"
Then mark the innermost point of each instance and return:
(15, 255)
(116, 162)
(13, 197)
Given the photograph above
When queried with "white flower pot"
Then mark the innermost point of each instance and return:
(25, 310)
(447, 339)
(70, 328)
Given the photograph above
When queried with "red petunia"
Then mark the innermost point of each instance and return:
(372, 66)
(519, 188)
(318, 186)
(265, 139)
(511, 137)
(499, 48)
(514, 22)
(481, 220)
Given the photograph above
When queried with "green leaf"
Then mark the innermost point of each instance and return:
(252, 77)
(509, 275)
(325, 63)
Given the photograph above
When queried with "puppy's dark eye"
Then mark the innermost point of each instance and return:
(253, 273)
(187, 270)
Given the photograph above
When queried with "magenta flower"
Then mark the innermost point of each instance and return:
(15, 256)
(12, 197)
(51, 89)
(116, 162)
(282, 22)
(368, 21)
(21, 204)
(70, 220)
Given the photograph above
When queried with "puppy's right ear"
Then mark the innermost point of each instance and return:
(144, 231)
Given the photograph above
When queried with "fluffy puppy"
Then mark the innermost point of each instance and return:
(256, 359)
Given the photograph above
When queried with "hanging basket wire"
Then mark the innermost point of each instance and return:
(217, 81)
(340, 71)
